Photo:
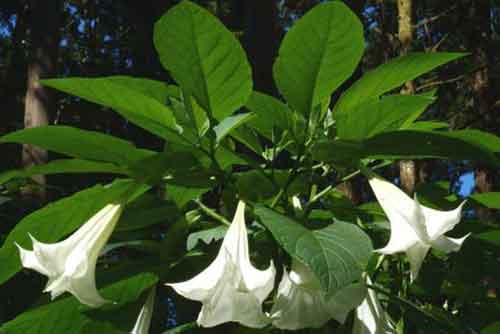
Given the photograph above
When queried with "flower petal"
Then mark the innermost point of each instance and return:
(230, 302)
(29, 260)
(70, 264)
(400, 210)
(344, 301)
(259, 282)
(298, 306)
(199, 287)
(447, 245)
(416, 255)
(370, 317)
(440, 222)
(143, 321)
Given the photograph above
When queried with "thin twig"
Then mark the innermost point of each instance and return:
(426, 21)
(212, 213)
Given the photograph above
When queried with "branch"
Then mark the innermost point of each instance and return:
(434, 18)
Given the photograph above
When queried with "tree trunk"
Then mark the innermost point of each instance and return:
(407, 168)
(479, 27)
(43, 59)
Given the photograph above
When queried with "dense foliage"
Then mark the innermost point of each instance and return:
(286, 157)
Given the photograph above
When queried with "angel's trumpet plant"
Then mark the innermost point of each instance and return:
(231, 288)
(414, 227)
(70, 264)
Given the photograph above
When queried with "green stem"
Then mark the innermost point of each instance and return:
(406, 302)
(212, 213)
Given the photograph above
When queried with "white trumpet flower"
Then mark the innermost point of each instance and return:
(414, 227)
(143, 321)
(70, 264)
(301, 302)
(370, 317)
(231, 288)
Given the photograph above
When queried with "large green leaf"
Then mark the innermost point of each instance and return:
(64, 166)
(78, 143)
(392, 75)
(405, 144)
(488, 140)
(124, 285)
(493, 328)
(318, 54)
(204, 58)
(491, 236)
(378, 115)
(409, 144)
(145, 211)
(229, 124)
(142, 101)
(55, 221)
(272, 114)
(337, 254)
(490, 199)
(152, 168)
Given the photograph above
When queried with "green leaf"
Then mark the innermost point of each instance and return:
(246, 135)
(64, 166)
(141, 101)
(337, 254)
(414, 144)
(375, 116)
(321, 51)
(493, 328)
(55, 221)
(78, 143)
(152, 168)
(488, 140)
(392, 75)
(229, 124)
(145, 211)
(204, 58)
(490, 200)
(427, 125)
(255, 186)
(67, 315)
(346, 153)
(272, 114)
(207, 236)
(405, 144)
(181, 195)
(492, 236)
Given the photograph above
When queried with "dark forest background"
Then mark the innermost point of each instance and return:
(59, 38)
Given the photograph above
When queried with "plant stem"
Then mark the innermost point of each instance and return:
(409, 304)
(212, 213)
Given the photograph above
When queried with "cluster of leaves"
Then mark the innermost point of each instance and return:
(224, 142)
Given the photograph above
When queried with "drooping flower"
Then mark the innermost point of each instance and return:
(143, 321)
(414, 227)
(301, 302)
(231, 288)
(70, 264)
(370, 317)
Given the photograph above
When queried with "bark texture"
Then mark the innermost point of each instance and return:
(407, 168)
(44, 35)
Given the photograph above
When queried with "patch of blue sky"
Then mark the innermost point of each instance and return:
(466, 184)
(6, 27)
